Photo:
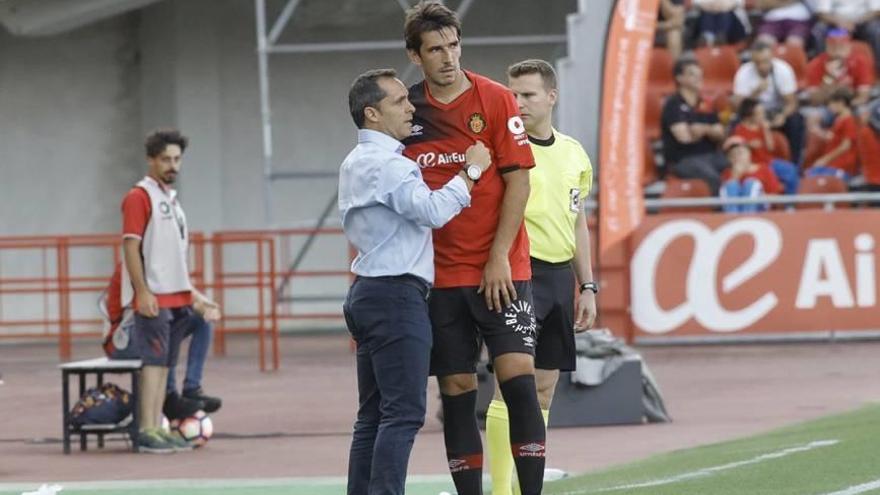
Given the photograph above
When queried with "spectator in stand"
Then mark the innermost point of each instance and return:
(869, 150)
(772, 82)
(839, 67)
(776, 175)
(690, 130)
(786, 21)
(741, 182)
(839, 154)
(670, 26)
(722, 21)
(859, 17)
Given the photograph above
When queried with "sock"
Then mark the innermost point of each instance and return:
(527, 432)
(498, 442)
(464, 450)
(498, 445)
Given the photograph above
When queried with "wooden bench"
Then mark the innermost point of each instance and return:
(99, 367)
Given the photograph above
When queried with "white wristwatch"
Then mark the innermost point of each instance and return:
(474, 172)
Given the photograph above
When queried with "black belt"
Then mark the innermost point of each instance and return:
(407, 279)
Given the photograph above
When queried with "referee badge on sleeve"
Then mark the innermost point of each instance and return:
(574, 200)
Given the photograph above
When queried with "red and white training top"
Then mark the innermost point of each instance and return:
(152, 214)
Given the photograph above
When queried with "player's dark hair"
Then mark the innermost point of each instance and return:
(366, 92)
(158, 140)
(424, 17)
(535, 66)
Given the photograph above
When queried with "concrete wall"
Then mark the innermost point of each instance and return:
(74, 109)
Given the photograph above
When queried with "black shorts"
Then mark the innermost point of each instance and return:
(157, 340)
(461, 322)
(553, 286)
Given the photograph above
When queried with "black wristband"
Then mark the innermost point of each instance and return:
(591, 286)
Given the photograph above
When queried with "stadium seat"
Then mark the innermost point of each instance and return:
(649, 173)
(796, 58)
(653, 111)
(782, 149)
(660, 77)
(719, 64)
(821, 185)
(686, 188)
(869, 154)
(813, 149)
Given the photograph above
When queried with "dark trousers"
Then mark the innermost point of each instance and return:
(706, 166)
(722, 28)
(388, 318)
(795, 130)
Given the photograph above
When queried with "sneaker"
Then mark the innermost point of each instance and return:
(176, 442)
(151, 442)
(211, 403)
(177, 407)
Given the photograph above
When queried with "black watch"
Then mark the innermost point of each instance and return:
(591, 286)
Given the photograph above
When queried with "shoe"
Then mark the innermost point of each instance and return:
(176, 442)
(551, 474)
(177, 407)
(151, 442)
(211, 403)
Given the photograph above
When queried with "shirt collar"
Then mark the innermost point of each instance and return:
(380, 139)
(168, 190)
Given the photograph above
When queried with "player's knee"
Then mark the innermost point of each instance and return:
(457, 384)
(513, 364)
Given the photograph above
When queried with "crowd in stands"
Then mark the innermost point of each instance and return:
(757, 97)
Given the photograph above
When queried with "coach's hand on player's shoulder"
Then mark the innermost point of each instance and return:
(147, 304)
(478, 154)
(497, 283)
(585, 311)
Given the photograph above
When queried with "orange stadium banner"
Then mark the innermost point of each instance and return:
(755, 276)
(622, 133)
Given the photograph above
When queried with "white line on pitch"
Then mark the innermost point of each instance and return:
(700, 473)
(853, 490)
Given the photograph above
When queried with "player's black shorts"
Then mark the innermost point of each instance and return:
(553, 289)
(461, 322)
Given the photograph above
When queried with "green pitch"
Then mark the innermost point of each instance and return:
(837, 455)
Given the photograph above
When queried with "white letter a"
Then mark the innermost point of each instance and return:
(823, 255)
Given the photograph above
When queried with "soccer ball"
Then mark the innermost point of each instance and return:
(196, 429)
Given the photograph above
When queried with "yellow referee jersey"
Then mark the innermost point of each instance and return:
(560, 182)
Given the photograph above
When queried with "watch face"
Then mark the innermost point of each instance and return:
(474, 172)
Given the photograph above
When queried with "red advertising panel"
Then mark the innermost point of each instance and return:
(627, 58)
(778, 273)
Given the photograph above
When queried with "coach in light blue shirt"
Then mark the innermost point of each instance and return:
(387, 214)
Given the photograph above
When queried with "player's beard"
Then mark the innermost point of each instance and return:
(169, 178)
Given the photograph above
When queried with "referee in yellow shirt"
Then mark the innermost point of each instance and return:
(560, 250)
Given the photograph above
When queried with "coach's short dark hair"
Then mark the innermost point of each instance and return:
(682, 64)
(424, 17)
(159, 139)
(535, 66)
(366, 92)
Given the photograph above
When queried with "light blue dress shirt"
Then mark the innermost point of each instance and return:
(388, 211)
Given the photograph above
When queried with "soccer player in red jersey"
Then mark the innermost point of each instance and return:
(482, 288)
